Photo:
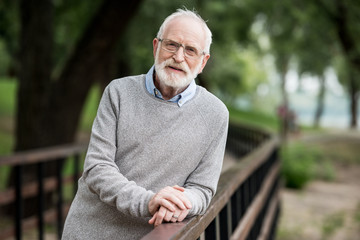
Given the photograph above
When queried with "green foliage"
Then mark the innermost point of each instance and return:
(254, 118)
(70, 21)
(4, 59)
(233, 71)
(298, 164)
(9, 31)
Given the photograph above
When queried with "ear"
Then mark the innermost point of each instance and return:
(204, 61)
(155, 46)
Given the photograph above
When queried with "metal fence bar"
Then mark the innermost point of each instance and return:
(18, 202)
(76, 171)
(40, 209)
(236, 209)
(210, 232)
(224, 222)
(60, 201)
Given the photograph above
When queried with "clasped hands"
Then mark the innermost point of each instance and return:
(170, 205)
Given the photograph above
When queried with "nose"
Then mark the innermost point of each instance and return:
(179, 55)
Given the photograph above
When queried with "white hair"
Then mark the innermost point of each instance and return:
(194, 15)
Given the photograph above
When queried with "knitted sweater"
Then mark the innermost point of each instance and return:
(140, 144)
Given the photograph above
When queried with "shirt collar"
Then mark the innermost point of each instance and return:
(180, 99)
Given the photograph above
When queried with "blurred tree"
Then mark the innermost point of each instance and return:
(49, 108)
(9, 29)
(345, 16)
(312, 32)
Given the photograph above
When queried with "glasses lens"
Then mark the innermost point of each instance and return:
(172, 46)
(191, 51)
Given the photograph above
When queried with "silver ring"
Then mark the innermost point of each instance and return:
(175, 216)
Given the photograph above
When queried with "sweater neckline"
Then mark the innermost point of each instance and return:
(153, 98)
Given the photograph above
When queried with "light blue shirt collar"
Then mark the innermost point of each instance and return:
(180, 99)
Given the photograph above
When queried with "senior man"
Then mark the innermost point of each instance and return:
(157, 142)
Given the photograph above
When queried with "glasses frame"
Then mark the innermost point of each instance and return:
(178, 45)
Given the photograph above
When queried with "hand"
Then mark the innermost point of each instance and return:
(170, 198)
(165, 215)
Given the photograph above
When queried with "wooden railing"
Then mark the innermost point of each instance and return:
(246, 204)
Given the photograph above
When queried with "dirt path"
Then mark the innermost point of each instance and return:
(326, 210)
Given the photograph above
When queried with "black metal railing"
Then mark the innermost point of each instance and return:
(23, 190)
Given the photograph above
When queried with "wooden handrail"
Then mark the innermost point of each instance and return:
(43, 154)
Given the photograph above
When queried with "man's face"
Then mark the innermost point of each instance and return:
(175, 69)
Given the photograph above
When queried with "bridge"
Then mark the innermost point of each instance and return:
(246, 205)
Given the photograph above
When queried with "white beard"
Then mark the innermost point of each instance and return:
(172, 79)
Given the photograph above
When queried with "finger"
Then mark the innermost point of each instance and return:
(154, 204)
(160, 216)
(175, 216)
(168, 216)
(177, 197)
(181, 189)
(184, 201)
(175, 200)
(183, 215)
(152, 220)
(168, 205)
(181, 196)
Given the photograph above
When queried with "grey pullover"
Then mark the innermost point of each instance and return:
(140, 144)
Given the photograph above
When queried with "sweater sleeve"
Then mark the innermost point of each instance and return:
(201, 184)
(101, 174)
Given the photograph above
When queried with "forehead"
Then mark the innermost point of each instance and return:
(186, 30)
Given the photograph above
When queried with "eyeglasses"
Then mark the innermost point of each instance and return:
(173, 47)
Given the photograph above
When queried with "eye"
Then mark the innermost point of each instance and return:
(171, 45)
(191, 51)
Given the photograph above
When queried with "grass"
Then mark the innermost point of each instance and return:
(8, 88)
(332, 223)
(90, 109)
(357, 214)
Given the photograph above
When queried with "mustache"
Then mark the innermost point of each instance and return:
(171, 63)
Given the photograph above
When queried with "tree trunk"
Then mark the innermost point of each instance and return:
(354, 98)
(36, 45)
(352, 53)
(320, 102)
